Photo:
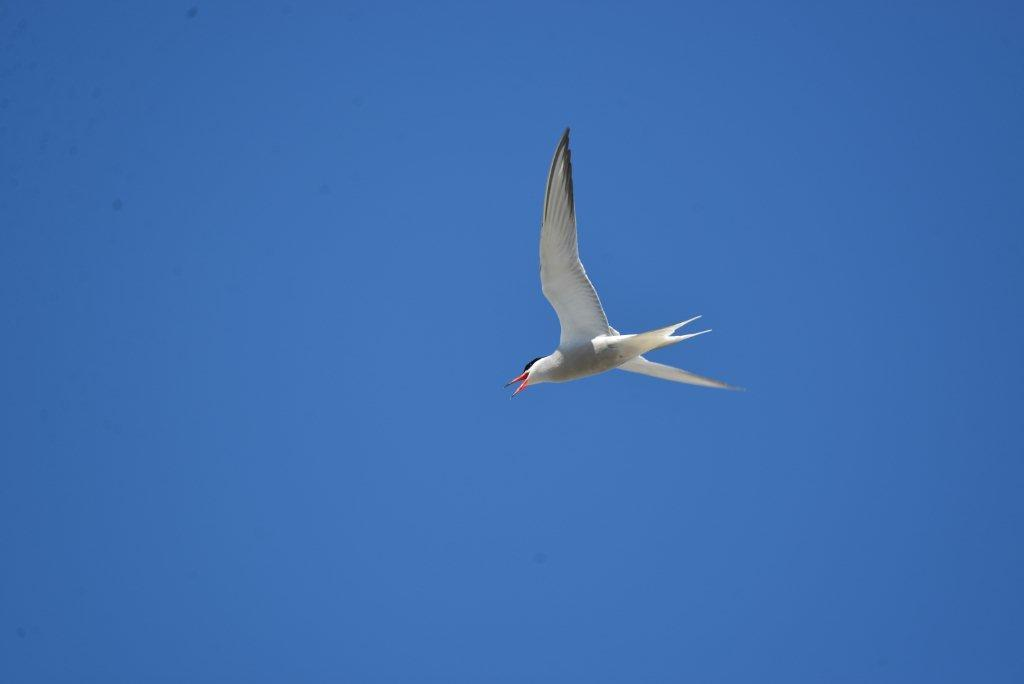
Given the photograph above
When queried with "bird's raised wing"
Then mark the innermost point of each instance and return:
(660, 370)
(562, 277)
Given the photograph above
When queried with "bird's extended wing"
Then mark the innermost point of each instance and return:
(562, 277)
(659, 370)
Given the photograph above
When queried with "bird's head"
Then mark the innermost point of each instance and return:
(524, 377)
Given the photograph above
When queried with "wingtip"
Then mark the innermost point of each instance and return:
(564, 140)
(726, 386)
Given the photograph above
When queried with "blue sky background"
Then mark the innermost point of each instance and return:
(265, 267)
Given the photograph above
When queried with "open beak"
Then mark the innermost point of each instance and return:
(525, 379)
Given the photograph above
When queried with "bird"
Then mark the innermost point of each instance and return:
(588, 345)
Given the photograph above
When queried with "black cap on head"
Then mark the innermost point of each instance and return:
(527, 366)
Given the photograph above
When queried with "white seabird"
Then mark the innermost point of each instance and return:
(588, 345)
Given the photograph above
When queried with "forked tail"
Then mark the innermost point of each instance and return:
(663, 337)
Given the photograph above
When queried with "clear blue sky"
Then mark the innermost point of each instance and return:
(265, 267)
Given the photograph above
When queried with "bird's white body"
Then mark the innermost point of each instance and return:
(588, 345)
(578, 360)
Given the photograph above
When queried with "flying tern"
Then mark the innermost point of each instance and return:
(588, 345)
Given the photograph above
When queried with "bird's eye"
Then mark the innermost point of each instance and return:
(527, 366)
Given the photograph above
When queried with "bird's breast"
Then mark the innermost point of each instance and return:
(581, 360)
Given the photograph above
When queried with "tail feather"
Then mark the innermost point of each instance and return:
(669, 330)
(663, 337)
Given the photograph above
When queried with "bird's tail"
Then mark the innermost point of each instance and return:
(663, 337)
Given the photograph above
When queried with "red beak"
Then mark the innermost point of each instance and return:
(524, 377)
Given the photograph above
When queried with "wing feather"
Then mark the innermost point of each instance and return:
(562, 276)
(659, 370)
